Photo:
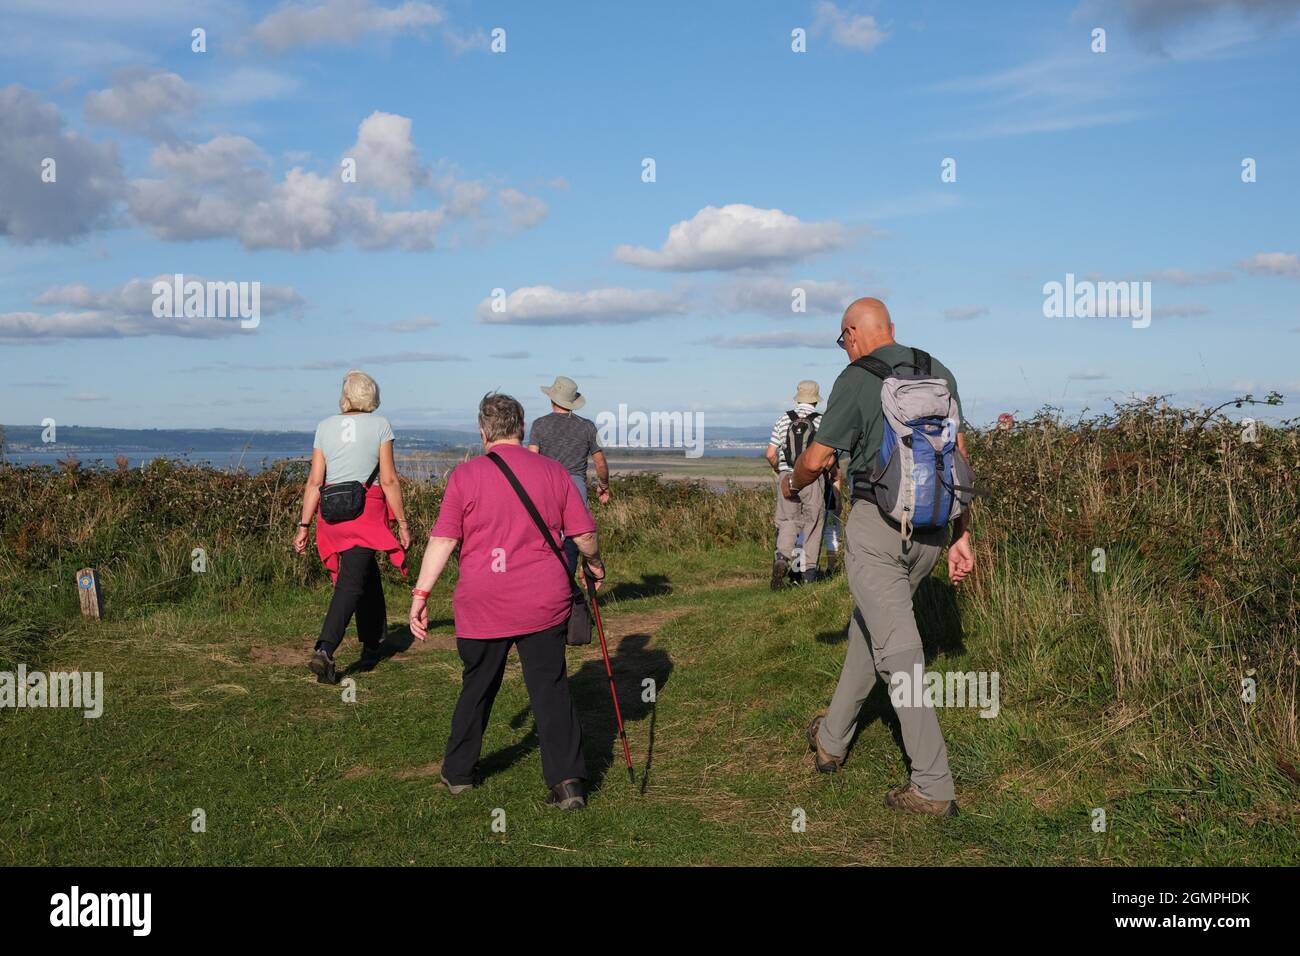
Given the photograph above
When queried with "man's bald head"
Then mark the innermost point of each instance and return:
(866, 326)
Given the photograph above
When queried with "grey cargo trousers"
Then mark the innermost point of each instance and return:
(808, 515)
(884, 640)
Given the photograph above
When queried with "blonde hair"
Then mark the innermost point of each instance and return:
(360, 393)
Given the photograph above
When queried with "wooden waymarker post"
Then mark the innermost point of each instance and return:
(92, 602)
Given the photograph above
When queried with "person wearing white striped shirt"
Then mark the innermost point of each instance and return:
(790, 436)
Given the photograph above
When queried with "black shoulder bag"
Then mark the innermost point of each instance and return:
(579, 631)
(346, 500)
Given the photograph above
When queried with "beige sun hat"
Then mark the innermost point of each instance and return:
(808, 392)
(565, 393)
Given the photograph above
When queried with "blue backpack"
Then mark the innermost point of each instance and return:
(920, 481)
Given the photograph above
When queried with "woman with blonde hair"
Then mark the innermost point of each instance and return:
(355, 513)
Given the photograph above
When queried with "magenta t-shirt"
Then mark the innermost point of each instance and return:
(510, 581)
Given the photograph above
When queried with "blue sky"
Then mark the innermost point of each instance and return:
(523, 170)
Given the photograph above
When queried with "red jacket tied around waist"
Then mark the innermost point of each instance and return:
(371, 530)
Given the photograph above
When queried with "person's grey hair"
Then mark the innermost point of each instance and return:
(360, 393)
(500, 416)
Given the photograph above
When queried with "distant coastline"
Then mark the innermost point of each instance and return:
(422, 453)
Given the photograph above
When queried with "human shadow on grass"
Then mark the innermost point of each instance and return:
(650, 585)
(632, 660)
(397, 640)
(938, 618)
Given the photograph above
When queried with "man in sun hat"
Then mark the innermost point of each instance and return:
(791, 434)
(571, 440)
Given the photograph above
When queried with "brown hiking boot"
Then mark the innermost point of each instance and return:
(909, 799)
(824, 761)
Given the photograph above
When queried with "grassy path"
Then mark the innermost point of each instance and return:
(210, 707)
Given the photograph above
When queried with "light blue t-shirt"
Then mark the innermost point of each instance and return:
(350, 444)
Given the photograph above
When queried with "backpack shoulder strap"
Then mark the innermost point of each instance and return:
(875, 366)
(921, 361)
(531, 508)
(794, 417)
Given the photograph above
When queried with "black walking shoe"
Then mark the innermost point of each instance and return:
(780, 568)
(371, 655)
(322, 665)
(568, 795)
(812, 575)
(824, 761)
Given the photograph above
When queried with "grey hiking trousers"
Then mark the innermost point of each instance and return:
(808, 514)
(884, 640)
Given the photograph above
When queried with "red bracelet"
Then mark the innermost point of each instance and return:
(418, 593)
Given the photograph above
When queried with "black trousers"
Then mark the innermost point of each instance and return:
(559, 735)
(357, 590)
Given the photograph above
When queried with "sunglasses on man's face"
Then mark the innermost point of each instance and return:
(840, 340)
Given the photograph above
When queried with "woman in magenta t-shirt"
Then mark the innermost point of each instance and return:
(512, 591)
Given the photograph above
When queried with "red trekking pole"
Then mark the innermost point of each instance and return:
(604, 650)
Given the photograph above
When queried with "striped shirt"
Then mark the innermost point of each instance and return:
(782, 428)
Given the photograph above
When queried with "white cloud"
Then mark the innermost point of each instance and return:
(1182, 277)
(846, 30)
(523, 211)
(393, 358)
(224, 189)
(340, 22)
(768, 295)
(386, 158)
(462, 42)
(1273, 264)
(141, 101)
(89, 178)
(736, 236)
(420, 323)
(775, 340)
(544, 305)
(127, 312)
(1052, 93)
(962, 313)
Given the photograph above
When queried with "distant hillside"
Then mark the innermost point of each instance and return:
(79, 438)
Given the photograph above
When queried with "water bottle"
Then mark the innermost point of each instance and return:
(831, 533)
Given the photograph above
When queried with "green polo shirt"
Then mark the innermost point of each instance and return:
(854, 421)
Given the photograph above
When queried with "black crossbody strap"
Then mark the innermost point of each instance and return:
(532, 510)
(373, 475)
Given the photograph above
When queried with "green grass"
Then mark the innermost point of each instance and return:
(1119, 690)
(209, 706)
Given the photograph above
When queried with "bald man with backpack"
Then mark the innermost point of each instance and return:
(896, 411)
